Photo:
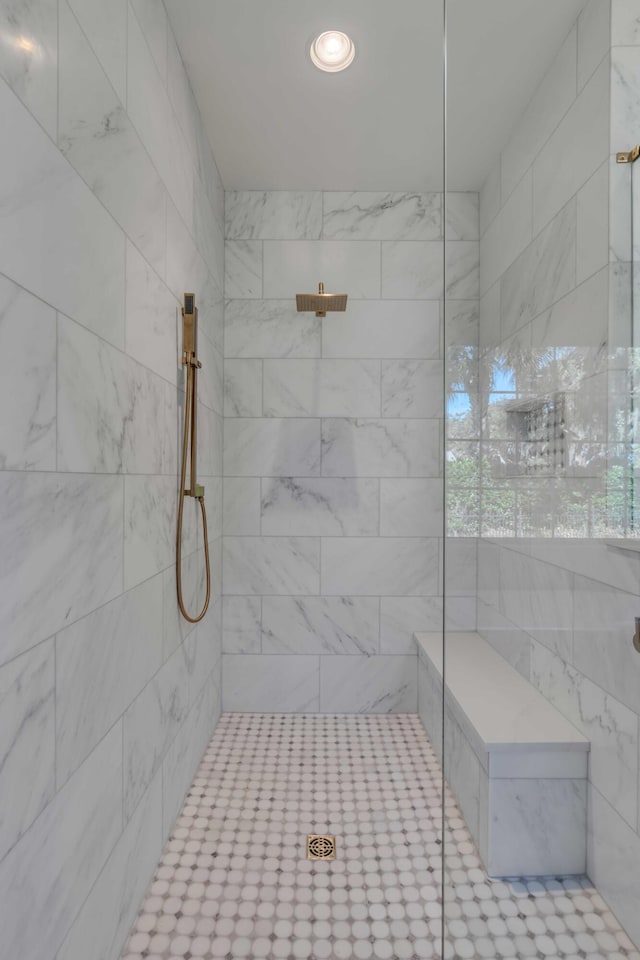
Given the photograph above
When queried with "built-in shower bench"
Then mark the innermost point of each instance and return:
(517, 767)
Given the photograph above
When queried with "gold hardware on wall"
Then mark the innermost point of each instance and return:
(321, 847)
(190, 449)
(628, 157)
(636, 635)
(320, 302)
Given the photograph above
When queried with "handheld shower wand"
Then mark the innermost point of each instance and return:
(190, 438)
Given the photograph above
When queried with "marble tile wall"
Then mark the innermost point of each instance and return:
(111, 207)
(333, 519)
(555, 266)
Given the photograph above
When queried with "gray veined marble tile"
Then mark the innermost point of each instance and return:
(368, 684)
(29, 57)
(322, 506)
(273, 215)
(380, 448)
(320, 625)
(286, 684)
(625, 80)
(382, 216)
(286, 566)
(62, 553)
(243, 269)
(462, 216)
(401, 617)
(411, 508)
(98, 139)
(462, 276)
(388, 566)
(241, 506)
(243, 388)
(412, 388)
(27, 741)
(272, 448)
(241, 624)
(150, 516)
(270, 328)
(594, 37)
(27, 380)
(383, 328)
(151, 335)
(412, 270)
(344, 266)
(462, 323)
(321, 388)
(106, 31)
(152, 18)
(625, 23)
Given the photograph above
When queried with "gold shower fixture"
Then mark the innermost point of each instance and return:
(190, 439)
(320, 302)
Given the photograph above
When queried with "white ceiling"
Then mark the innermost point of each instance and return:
(277, 123)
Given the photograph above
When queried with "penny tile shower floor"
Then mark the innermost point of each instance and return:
(234, 881)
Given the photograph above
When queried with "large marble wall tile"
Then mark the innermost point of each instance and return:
(508, 233)
(241, 624)
(203, 649)
(150, 724)
(461, 566)
(411, 508)
(320, 625)
(510, 641)
(574, 151)
(243, 388)
(102, 662)
(346, 266)
(412, 270)
(383, 328)
(272, 448)
(462, 275)
(462, 216)
(412, 388)
(490, 198)
(288, 566)
(255, 684)
(578, 319)
(29, 60)
(320, 507)
(150, 517)
(393, 566)
(106, 30)
(462, 323)
(152, 319)
(152, 18)
(79, 249)
(62, 553)
(187, 271)
(242, 506)
(108, 912)
(271, 328)
(243, 269)
(321, 388)
(57, 861)
(382, 216)
(625, 23)
(594, 28)
(98, 139)
(380, 448)
(175, 628)
(273, 215)
(401, 617)
(113, 415)
(27, 741)
(27, 380)
(368, 684)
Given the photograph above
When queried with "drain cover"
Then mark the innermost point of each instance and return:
(321, 847)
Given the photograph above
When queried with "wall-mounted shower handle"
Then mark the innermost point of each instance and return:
(636, 636)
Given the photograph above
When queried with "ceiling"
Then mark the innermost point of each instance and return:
(277, 123)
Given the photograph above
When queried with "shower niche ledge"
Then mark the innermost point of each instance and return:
(517, 767)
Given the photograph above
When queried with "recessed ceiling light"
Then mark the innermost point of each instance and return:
(332, 51)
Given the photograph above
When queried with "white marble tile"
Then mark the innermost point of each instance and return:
(27, 741)
(490, 196)
(272, 448)
(511, 643)
(286, 684)
(594, 28)
(401, 617)
(462, 276)
(625, 23)
(175, 628)
(320, 506)
(150, 724)
(321, 388)
(150, 516)
(285, 566)
(29, 56)
(271, 328)
(98, 139)
(380, 448)
(461, 614)
(592, 251)
(58, 860)
(152, 18)
(382, 216)
(298, 266)
(489, 327)
(27, 380)
(102, 662)
(462, 216)
(187, 271)
(464, 772)
(241, 506)
(625, 84)
(574, 151)
(243, 388)
(106, 31)
(412, 270)
(242, 624)
(368, 684)
(151, 335)
(460, 563)
(62, 554)
(273, 215)
(578, 319)
(412, 388)
(243, 269)
(320, 625)
(203, 649)
(393, 566)
(110, 908)
(383, 328)
(462, 323)
(508, 233)
(537, 827)
(80, 249)
(411, 508)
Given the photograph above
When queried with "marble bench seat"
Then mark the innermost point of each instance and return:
(517, 767)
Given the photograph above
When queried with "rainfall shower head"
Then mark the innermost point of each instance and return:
(320, 303)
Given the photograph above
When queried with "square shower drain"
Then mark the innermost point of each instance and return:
(321, 847)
